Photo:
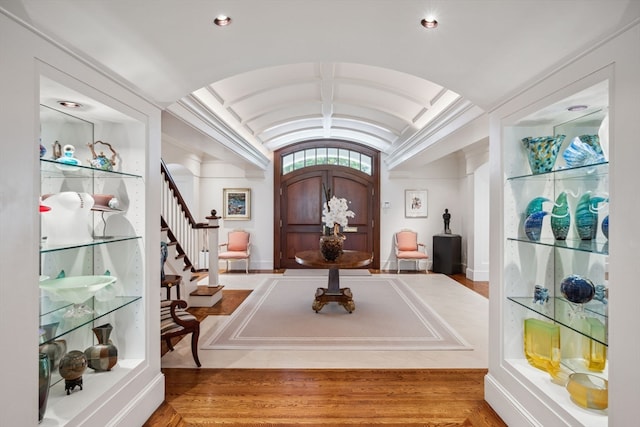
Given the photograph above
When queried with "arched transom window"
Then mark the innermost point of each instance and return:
(326, 156)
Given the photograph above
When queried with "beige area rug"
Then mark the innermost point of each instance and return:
(388, 316)
(317, 272)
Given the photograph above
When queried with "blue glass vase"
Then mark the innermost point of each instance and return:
(587, 215)
(605, 226)
(533, 225)
(577, 289)
(542, 152)
(560, 217)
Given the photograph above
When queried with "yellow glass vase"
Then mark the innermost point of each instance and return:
(593, 352)
(542, 345)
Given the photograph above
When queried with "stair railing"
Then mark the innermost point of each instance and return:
(189, 235)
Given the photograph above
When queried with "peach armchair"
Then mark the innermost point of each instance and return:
(238, 247)
(408, 249)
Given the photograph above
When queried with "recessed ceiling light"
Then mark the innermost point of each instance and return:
(70, 104)
(578, 107)
(429, 23)
(222, 20)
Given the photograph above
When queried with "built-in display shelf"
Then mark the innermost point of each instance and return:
(56, 169)
(54, 312)
(568, 314)
(592, 246)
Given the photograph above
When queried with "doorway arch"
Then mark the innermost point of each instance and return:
(350, 170)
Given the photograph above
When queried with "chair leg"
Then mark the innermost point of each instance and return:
(168, 341)
(194, 346)
(246, 266)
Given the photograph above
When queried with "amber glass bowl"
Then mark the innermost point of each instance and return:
(589, 391)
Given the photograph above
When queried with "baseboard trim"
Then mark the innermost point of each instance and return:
(511, 412)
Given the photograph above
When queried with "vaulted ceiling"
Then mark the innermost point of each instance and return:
(291, 70)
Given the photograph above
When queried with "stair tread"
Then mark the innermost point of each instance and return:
(206, 291)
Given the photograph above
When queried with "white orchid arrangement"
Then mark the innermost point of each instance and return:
(336, 211)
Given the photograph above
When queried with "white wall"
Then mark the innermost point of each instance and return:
(215, 178)
(442, 180)
(477, 210)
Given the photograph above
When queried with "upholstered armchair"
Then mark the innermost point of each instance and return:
(408, 249)
(238, 247)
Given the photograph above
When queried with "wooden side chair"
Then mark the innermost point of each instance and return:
(408, 249)
(175, 321)
(238, 247)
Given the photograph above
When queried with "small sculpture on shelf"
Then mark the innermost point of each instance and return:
(446, 216)
(72, 366)
(65, 155)
(540, 295)
(100, 161)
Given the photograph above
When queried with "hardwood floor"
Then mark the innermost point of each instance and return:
(327, 397)
(324, 397)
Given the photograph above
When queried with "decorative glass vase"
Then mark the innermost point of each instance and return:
(44, 382)
(577, 289)
(587, 215)
(542, 152)
(594, 352)
(331, 245)
(588, 391)
(542, 345)
(54, 349)
(533, 225)
(104, 355)
(560, 217)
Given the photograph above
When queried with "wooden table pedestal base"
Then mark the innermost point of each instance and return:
(343, 297)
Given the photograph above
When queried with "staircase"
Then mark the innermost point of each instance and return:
(188, 243)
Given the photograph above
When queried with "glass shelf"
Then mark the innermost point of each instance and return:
(593, 171)
(591, 246)
(568, 314)
(54, 169)
(97, 241)
(55, 311)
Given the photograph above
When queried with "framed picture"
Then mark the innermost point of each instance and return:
(237, 203)
(415, 203)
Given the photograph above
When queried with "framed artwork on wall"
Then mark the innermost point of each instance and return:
(237, 203)
(415, 203)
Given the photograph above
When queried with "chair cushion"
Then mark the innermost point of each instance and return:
(412, 255)
(167, 324)
(238, 241)
(232, 255)
(407, 241)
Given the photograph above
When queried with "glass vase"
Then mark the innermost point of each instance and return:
(44, 382)
(104, 355)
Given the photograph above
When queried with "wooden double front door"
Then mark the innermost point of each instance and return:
(299, 200)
